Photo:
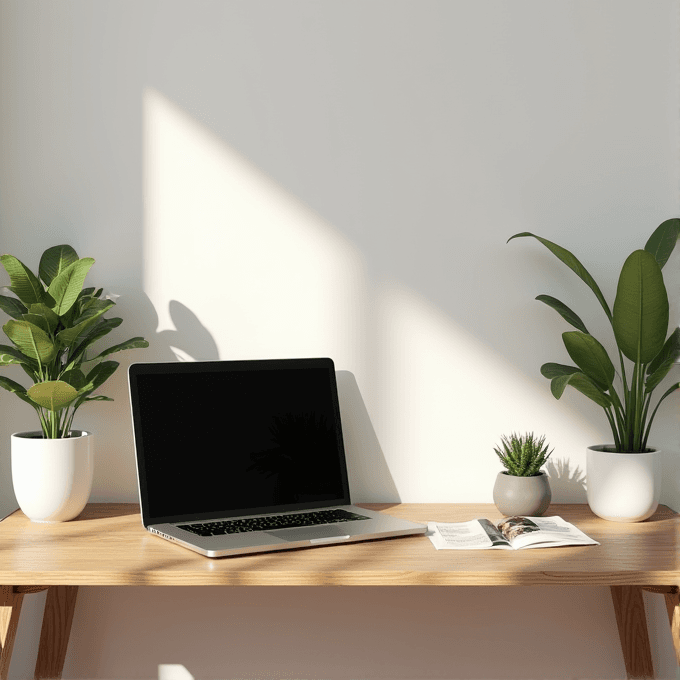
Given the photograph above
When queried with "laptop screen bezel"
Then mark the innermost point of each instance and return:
(194, 367)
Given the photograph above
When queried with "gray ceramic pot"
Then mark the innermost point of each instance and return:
(522, 495)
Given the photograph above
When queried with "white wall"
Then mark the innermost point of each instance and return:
(264, 179)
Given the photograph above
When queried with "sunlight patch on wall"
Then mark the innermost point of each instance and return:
(447, 400)
(234, 254)
(264, 274)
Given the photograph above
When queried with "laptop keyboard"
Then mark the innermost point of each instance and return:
(304, 519)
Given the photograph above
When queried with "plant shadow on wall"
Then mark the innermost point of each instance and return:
(190, 339)
(569, 485)
(369, 475)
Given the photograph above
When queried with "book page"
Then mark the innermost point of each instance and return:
(542, 532)
(463, 536)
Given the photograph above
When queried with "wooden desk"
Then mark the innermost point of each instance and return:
(107, 546)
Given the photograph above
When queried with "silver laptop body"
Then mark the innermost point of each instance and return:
(253, 448)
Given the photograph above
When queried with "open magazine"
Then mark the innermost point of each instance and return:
(512, 533)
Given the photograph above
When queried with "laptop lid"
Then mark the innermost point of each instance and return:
(218, 439)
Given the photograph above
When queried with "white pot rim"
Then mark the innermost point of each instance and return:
(507, 474)
(599, 448)
(38, 434)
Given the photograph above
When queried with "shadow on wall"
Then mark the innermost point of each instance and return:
(566, 484)
(369, 476)
(190, 340)
(115, 469)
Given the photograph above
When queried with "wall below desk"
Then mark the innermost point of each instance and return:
(388, 633)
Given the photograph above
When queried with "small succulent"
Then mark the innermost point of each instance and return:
(524, 455)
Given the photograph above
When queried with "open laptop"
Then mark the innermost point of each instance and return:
(240, 457)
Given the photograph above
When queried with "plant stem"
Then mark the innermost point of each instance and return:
(612, 424)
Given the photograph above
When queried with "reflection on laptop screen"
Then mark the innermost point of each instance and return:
(218, 442)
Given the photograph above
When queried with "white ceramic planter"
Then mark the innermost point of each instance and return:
(52, 478)
(623, 487)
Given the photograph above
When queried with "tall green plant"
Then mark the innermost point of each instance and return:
(54, 323)
(639, 320)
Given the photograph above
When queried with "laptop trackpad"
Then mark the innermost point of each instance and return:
(310, 533)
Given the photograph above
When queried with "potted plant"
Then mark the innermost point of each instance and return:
(53, 326)
(623, 477)
(522, 488)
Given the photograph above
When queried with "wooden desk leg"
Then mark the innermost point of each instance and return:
(56, 627)
(10, 608)
(673, 606)
(629, 608)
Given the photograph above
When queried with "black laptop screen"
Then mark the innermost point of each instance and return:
(221, 439)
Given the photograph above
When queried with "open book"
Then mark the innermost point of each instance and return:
(512, 533)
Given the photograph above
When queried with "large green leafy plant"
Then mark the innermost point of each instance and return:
(639, 320)
(54, 323)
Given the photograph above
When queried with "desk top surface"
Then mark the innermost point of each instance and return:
(107, 545)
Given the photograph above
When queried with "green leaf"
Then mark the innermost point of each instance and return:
(10, 355)
(583, 384)
(99, 375)
(16, 388)
(12, 386)
(591, 357)
(69, 335)
(66, 287)
(53, 394)
(12, 307)
(573, 263)
(662, 242)
(564, 311)
(101, 329)
(84, 398)
(31, 340)
(31, 372)
(670, 390)
(54, 261)
(658, 369)
(558, 384)
(587, 387)
(75, 377)
(133, 343)
(24, 284)
(43, 310)
(551, 371)
(641, 308)
(37, 320)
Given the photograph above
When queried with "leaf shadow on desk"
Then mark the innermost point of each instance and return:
(566, 484)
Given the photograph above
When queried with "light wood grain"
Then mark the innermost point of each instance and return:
(631, 621)
(107, 545)
(54, 635)
(10, 608)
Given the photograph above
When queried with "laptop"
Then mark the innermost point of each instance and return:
(242, 457)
